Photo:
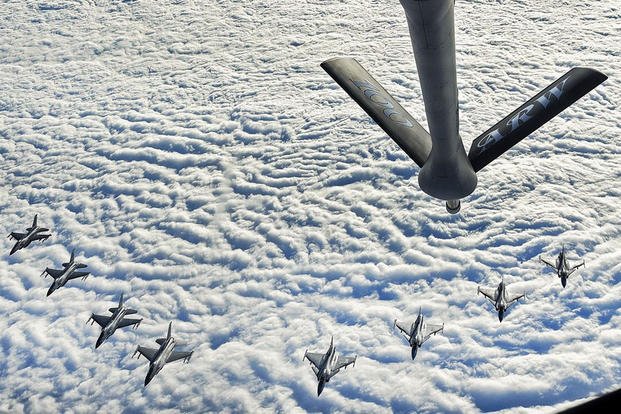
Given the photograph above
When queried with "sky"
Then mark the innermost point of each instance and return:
(202, 163)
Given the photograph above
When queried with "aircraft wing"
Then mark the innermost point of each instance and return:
(53, 272)
(432, 330)
(76, 275)
(175, 356)
(127, 322)
(148, 353)
(17, 236)
(100, 319)
(547, 263)
(514, 298)
(402, 328)
(488, 293)
(343, 362)
(314, 358)
(577, 266)
(40, 237)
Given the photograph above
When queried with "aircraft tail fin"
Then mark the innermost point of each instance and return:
(34, 222)
(121, 300)
(381, 106)
(538, 110)
(169, 330)
(71, 259)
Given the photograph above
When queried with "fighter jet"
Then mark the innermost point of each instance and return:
(160, 357)
(499, 298)
(33, 233)
(327, 365)
(68, 272)
(447, 173)
(418, 332)
(562, 267)
(109, 324)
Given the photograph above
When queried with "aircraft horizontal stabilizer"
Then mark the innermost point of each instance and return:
(534, 113)
(385, 111)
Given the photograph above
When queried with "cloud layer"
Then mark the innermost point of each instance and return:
(201, 162)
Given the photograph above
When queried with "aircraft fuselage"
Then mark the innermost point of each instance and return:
(29, 238)
(161, 356)
(112, 325)
(63, 278)
(325, 371)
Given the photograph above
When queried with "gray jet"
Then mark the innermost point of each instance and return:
(418, 332)
(447, 173)
(562, 267)
(164, 354)
(69, 272)
(109, 324)
(499, 298)
(327, 365)
(33, 233)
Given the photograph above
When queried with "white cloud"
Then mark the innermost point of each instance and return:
(201, 162)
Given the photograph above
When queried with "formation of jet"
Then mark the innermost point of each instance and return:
(446, 171)
(562, 266)
(33, 233)
(67, 273)
(164, 354)
(418, 332)
(499, 298)
(109, 324)
(327, 365)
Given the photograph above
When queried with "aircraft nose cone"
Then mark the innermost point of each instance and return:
(99, 341)
(564, 281)
(320, 388)
(49, 292)
(501, 315)
(414, 351)
(13, 250)
(149, 376)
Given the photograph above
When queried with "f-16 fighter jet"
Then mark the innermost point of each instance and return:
(327, 365)
(562, 267)
(417, 333)
(62, 276)
(109, 324)
(447, 172)
(33, 233)
(499, 298)
(160, 357)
